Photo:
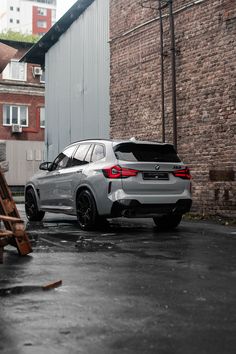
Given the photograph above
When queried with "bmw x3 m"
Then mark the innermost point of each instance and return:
(99, 179)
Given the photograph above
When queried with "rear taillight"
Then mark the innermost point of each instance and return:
(184, 173)
(119, 172)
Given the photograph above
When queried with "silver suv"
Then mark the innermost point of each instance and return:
(99, 179)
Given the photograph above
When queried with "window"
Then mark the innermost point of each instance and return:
(42, 77)
(42, 117)
(98, 153)
(15, 115)
(79, 157)
(42, 11)
(11, 20)
(146, 152)
(17, 21)
(15, 71)
(18, 9)
(11, 8)
(63, 159)
(41, 24)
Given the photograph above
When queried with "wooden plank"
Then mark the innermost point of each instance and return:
(11, 219)
(4, 233)
(9, 205)
(52, 285)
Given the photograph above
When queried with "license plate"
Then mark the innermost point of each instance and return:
(163, 176)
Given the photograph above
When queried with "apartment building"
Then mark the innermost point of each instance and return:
(27, 16)
(22, 118)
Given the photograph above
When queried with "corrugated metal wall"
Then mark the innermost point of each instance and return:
(77, 81)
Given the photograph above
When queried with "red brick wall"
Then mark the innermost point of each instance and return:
(17, 93)
(33, 132)
(36, 17)
(206, 90)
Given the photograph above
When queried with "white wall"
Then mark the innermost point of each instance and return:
(24, 158)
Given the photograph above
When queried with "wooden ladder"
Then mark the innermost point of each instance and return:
(14, 233)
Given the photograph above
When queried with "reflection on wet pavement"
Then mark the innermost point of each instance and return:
(126, 288)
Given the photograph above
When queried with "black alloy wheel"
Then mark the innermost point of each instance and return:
(86, 211)
(31, 207)
(168, 222)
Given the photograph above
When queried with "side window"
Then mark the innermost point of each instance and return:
(98, 153)
(79, 156)
(63, 160)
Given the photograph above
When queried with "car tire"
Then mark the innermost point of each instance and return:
(87, 215)
(168, 222)
(31, 207)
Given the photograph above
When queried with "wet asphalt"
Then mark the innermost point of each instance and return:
(126, 288)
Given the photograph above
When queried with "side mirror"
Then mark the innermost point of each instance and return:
(45, 166)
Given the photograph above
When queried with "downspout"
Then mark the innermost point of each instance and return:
(162, 73)
(173, 69)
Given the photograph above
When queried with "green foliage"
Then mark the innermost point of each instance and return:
(19, 37)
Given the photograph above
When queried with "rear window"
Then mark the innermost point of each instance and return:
(146, 153)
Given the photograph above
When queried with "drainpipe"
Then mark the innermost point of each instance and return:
(173, 69)
(162, 73)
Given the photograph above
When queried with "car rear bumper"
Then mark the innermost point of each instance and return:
(133, 208)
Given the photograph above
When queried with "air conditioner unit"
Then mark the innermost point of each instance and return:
(37, 71)
(16, 128)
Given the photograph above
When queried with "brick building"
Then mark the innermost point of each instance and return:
(205, 32)
(22, 119)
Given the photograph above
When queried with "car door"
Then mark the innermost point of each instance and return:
(55, 186)
(81, 158)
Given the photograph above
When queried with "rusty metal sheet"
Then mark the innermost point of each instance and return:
(6, 54)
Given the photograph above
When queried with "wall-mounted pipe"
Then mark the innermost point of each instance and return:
(162, 73)
(173, 69)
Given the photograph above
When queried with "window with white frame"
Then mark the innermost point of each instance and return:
(42, 77)
(42, 117)
(42, 11)
(41, 24)
(15, 71)
(13, 114)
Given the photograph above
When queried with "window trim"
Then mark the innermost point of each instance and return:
(18, 116)
(42, 126)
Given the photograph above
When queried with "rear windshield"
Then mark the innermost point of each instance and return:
(146, 153)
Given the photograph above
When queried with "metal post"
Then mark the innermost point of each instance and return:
(162, 73)
(173, 68)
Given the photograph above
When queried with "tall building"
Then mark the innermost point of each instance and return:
(27, 16)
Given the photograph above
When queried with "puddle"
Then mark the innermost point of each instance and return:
(90, 245)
